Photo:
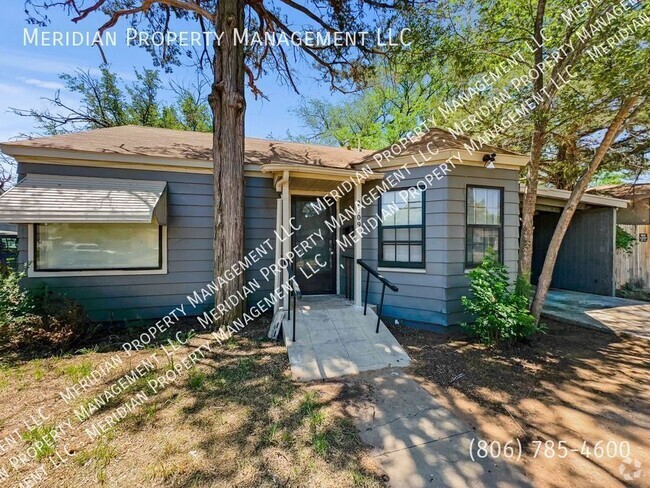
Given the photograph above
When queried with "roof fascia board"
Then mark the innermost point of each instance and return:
(503, 161)
(119, 161)
(563, 195)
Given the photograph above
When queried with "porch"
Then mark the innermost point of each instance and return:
(310, 199)
(335, 338)
(334, 335)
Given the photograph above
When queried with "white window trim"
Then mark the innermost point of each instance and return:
(31, 273)
(402, 270)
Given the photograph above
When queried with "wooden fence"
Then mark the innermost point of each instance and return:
(634, 267)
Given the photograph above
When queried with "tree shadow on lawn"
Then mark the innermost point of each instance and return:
(254, 425)
(106, 337)
(567, 384)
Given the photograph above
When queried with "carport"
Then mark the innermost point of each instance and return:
(586, 262)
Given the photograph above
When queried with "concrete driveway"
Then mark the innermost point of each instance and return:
(619, 316)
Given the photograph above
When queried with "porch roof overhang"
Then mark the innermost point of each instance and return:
(61, 199)
(320, 172)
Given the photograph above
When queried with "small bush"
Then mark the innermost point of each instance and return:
(624, 240)
(38, 319)
(14, 301)
(501, 314)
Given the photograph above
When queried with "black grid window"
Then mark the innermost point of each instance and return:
(484, 223)
(401, 234)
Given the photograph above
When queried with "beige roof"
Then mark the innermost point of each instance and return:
(440, 139)
(627, 191)
(177, 144)
(53, 198)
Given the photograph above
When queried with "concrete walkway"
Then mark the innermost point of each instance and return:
(419, 443)
(334, 338)
(610, 314)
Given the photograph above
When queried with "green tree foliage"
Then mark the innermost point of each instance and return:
(500, 314)
(457, 43)
(106, 100)
(399, 96)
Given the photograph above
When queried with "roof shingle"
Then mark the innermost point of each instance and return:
(177, 144)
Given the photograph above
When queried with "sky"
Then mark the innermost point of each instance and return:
(31, 72)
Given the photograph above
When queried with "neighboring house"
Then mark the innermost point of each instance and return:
(121, 219)
(633, 267)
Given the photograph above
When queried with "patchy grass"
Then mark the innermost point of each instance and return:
(100, 456)
(634, 293)
(233, 418)
(78, 370)
(40, 438)
(196, 379)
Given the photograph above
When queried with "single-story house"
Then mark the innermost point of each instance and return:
(632, 267)
(121, 219)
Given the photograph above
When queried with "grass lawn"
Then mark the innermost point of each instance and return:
(234, 419)
(571, 384)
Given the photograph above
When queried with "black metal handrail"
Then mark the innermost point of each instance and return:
(348, 267)
(295, 293)
(385, 283)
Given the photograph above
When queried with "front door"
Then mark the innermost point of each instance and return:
(315, 270)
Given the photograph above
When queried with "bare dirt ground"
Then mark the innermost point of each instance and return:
(579, 386)
(233, 419)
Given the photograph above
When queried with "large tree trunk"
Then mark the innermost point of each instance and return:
(572, 204)
(530, 200)
(228, 105)
(537, 145)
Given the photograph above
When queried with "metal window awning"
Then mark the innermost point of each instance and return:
(54, 198)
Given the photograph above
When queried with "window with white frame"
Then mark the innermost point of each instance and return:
(484, 223)
(98, 246)
(401, 234)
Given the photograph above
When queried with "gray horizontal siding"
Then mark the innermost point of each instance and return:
(434, 297)
(189, 241)
(259, 225)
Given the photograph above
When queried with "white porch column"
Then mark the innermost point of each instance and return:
(278, 247)
(286, 218)
(338, 250)
(358, 189)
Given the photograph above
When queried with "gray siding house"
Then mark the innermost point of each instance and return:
(121, 219)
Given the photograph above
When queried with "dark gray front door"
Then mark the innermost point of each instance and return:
(315, 270)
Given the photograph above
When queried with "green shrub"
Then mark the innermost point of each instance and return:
(624, 240)
(14, 301)
(38, 319)
(501, 313)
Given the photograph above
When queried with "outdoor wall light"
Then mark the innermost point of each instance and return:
(489, 159)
